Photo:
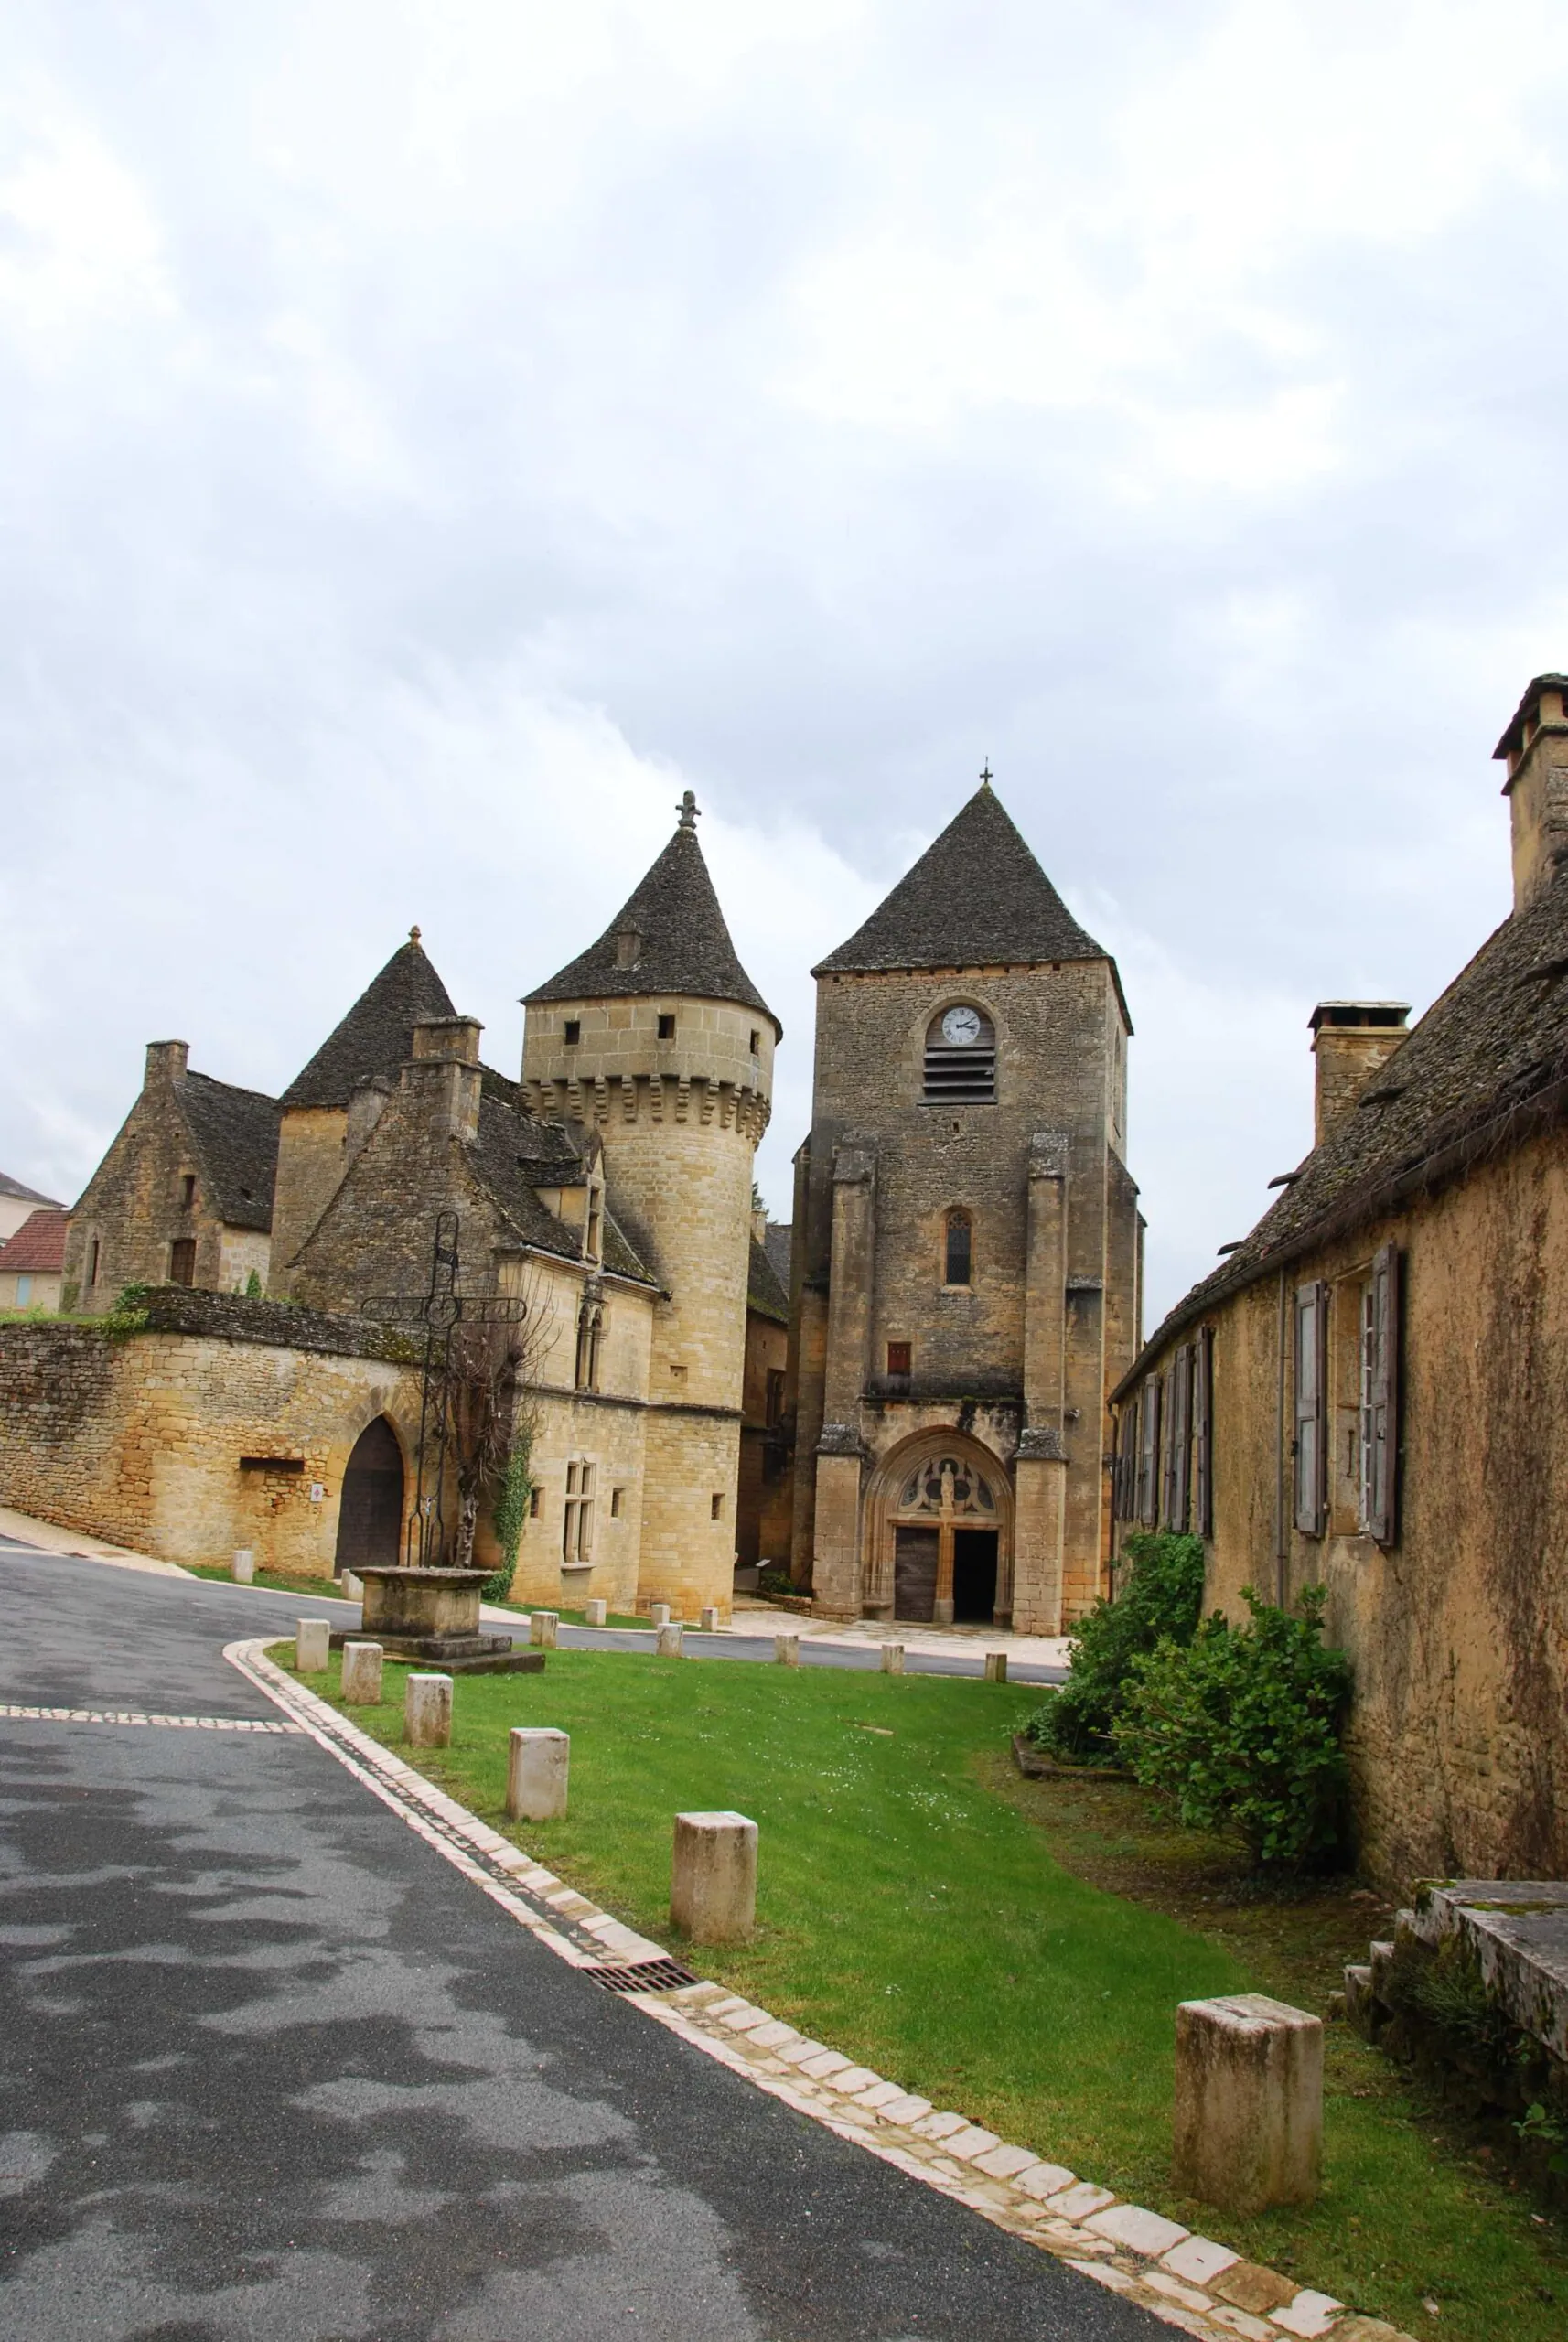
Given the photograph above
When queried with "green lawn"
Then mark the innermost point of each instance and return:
(277, 1581)
(928, 1914)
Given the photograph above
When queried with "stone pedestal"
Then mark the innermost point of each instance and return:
(1249, 2103)
(996, 1667)
(312, 1642)
(893, 1659)
(361, 1675)
(712, 1880)
(595, 1612)
(542, 1628)
(659, 1614)
(434, 1615)
(243, 1566)
(668, 1644)
(787, 1650)
(428, 1711)
(538, 1763)
(710, 1620)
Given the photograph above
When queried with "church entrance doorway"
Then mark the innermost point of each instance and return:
(914, 1558)
(370, 1518)
(973, 1576)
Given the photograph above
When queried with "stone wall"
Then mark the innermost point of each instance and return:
(312, 1159)
(1458, 1631)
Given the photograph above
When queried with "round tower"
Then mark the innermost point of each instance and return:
(657, 1038)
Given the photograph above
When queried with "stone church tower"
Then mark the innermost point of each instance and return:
(966, 1249)
(657, 1037)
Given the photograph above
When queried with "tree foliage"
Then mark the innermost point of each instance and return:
(1162, 1601)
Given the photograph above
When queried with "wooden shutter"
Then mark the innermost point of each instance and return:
(1174, 1486)
(1382, 1490)
(1149, 1450)
(1311, 1361)
(1203, 1410)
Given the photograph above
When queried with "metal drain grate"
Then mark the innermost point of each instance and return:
(647, 1976)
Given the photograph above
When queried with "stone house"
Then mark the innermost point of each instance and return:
(184, 1195)
(32, 1261)
(1370, 1391)
(967, 1249)
(18, 1203)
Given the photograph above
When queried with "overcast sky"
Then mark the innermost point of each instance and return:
(433, 435)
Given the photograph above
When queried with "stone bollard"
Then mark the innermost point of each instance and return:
(361, 1675)
(713, 1879)
(542, 1626)
(786, 1650)
(352, 1587)
(243, 1568)
(669, 1643)
(996, 1667)
(312, 1645)
(710, 1621)
(428, 1711)
(1249, 2103)
(659, 1614)
(595, 1612)
(538, 1764)
(893, 1659)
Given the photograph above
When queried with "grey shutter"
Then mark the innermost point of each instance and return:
(1311, 1359)
(1383, 1494)
(1204, 1410)
(1178, 1441)
(1149, 1450)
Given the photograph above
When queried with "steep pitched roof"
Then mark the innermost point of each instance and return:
(764, 1293)
(779, 1244)
(377, 1035)
(235, 1135)
(683, 944)
(21, 1194)
(976, 898)
(1486, 1065)
(513, 1155)
(39, 1246)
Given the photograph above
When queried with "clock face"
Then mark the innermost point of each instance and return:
(961, 1027)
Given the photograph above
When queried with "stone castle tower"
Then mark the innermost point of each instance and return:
(966, 1249)
(657, 1037)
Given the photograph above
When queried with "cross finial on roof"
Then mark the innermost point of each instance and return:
(413, 935)
(687, 810)
(985, 774)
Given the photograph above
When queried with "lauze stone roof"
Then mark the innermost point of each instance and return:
(234, 1134)
(37, 1249)
(976, 898)
(513, 1156)
(764, 1292)
(684, 945)
(377, 1035)
(1486, 1065)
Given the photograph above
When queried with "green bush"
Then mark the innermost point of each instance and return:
(1162, 1601)
(129, 1315)
(1242, 1729)
(510, 1513)
(775, 1581)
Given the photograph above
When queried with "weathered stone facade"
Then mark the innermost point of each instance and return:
(1371, 1395)
(967, 1249)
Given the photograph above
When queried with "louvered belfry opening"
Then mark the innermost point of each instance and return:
(960, 1058)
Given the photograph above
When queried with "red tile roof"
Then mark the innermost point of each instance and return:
(39, 1246)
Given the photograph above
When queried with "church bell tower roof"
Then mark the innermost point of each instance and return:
(377, 1035)
(668, 936)
(976, 898)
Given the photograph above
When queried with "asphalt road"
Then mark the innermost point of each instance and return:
(275, 2072)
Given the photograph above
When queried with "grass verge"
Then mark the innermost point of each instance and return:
(1015, 1950)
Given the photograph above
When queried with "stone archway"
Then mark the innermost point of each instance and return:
(369, 1514)
(937, 1533)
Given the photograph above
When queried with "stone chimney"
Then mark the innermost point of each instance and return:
(367, 1103)
(443, 1073)
(1350, 1041)
(1535, 749)
(167, 1061)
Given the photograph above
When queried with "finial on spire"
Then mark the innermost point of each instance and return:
(687, 810)
(413, 935)
(985, 774)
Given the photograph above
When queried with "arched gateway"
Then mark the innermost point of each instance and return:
(370, 1518)
(939, 1534)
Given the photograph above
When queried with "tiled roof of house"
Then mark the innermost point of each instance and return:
(1486, 1067)
(21, 1194)
(764, 1293)
(682, 946)
(976, 898)
(377, 1035)
(234, 1133)
(38, 1248)
(513, 1155)
(777, 1244)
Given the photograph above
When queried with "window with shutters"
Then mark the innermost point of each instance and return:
(1203, 1431)
(1311, 1351)
(1148, 1452)
(1175, 1494)
(1124, 1468)
(1379, 1398)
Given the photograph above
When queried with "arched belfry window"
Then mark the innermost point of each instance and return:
(958, 1248)
(960, 1058)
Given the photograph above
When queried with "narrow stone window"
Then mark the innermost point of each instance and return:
(535, 1500)
(900, 1358)
(616, 1498)
(187, 1189)
(958, 1265)
(717, 1507)
(573, 1031)
(667, 1027)
(93, 1262)
(590, 1337)
(960, 1058)
(755, 1040)
(578, 1520)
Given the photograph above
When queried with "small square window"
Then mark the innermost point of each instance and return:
(535, 1499)
(900, 1358)
(667, 1026)
(573, 1031)
(716, 1511)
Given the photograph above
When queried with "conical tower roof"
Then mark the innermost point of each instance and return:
(976, 898)
(377, 1035)
(668, 936)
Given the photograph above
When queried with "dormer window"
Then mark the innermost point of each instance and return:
(960, 1058)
